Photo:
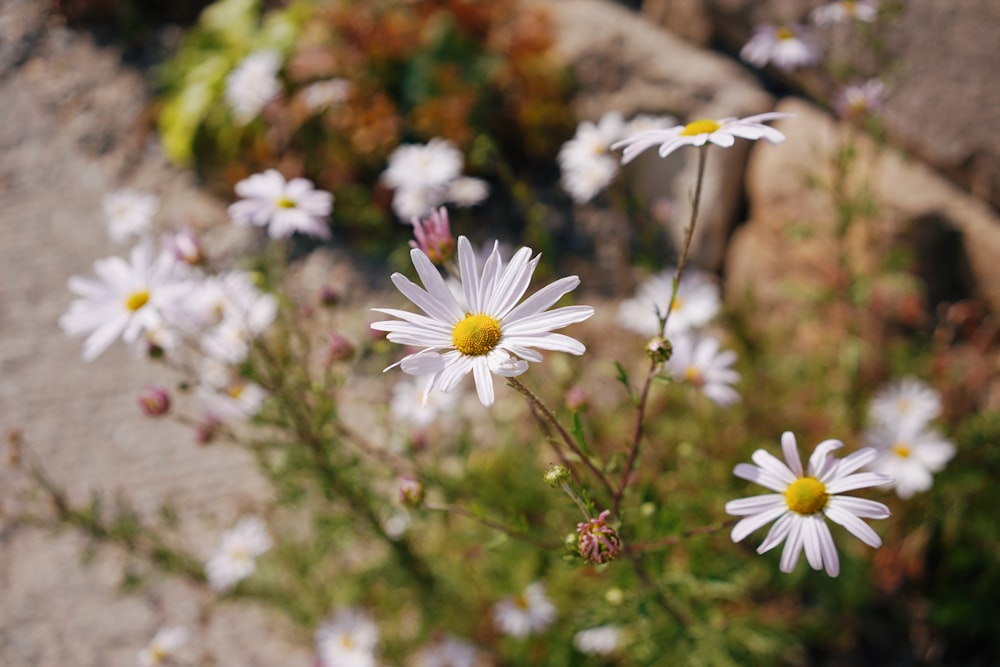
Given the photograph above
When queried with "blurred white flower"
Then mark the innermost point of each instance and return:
(910, 402)
(466, 191)
(230, 312)
(843, 11)
(235, 401)
(908, 452)
(787, 48)
(425, 176)
(698, 360)
(284, 207)
(858, 100)
(347, 639)
(164, 646)
(602, 640)
(529, 613)
(129, 213)
(234, 561)
(805, 499)
(408, 404)
(696, 304)
(322, 94)
(448, 651)
(253, 84)
(586, 161)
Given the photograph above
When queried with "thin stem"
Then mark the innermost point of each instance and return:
(576, 499)
(671, 540)
(495, 525)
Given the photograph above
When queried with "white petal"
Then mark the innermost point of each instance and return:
(861, 480)
(773, 465)
(542, 299)
(793, 545)
(779, 531)
(484, 380)
(790, 449)
(853, 524)
(862, 507)
(760, 476)
(547, 341)
(821, 462)
(470, 274)
(422, 364)
(751, 523)
(810, 541)
(857, 460)
(828, 549)
(548, 321)
(755, 504)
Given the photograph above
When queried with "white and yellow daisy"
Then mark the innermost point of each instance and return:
(803, 502)
(843, 11)
(787, 47)
(699, 360)
(529, 613)
(492, 333)
(909, 452)
(129, 213)
(284, 207)
(910, 401)
(164, 647)
(235, 559)
(347, 639)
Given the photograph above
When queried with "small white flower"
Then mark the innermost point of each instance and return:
(448, 651)
(787, 48)
(528, 613)
(408, 404)
(602, 640)
(491, 333)
(128, 299)
(129, 213)
(910, 401)
(235, 401)
(696, 304)
(235, 559)
(843, 11)
(322, 94)
(584, 182)
(164, 646)
(722, 133)
(585, 160)
(698, 360)
(803, 502)
(284, 207)
(908, 452)
(466, 191)
(858, 100)
(347, 639)
(253, 84)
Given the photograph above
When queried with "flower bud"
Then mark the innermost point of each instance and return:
(155, 401)
(329, 297)
(433, 236)
(576, 398)
(598, 542)
(659, 350)
(339, 348)
(411, 492)
(556, 475)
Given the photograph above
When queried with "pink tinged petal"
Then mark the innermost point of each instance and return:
(435, 286)
(759, 476)
(862, 480)
(543, 299)
(828, 548)
(790, 448)
(469, 272)
(779, 531)
(853, 524)
(722, 138)
(545, 322)
(862, 507)
(821, 462)
(484, 381)
(773, 465)
(793, 545)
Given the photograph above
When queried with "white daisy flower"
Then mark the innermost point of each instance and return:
(910, 401)
(230, 312)
(421, 174)
(493, 334)
(908, 452)
(448, 651)
(787, 47)
(253, 84)
(128, 299)
(696, 304)
(722, 133)
(466, 191)
(858, 100)
(235, 559)
(602, 640)
(844, 11)
(528, 613)
(585, 160)
(235, 401)
(322, 94)
(698, 360)
(586, 181)
(164, 646)
(347, 639)
(284, 207)
(803, 500)
(408, 404)
(129, 213)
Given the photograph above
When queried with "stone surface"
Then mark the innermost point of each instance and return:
(72, 130)
(622, 62)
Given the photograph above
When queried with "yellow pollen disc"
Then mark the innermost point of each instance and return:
(693, 375)
(697, 127)
(901, 450)
(476, 335)
(784, 33)
(520, 602)
(677, 305)
(285, 202)
(806, 495)
(347, 641)
(137, 300)
(235, 390)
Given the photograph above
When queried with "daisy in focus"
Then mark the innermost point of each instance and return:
(843, 11)
(787, 48)
(425, 176)
(235, 559)
(129, 213)
(164, 646)
(347, 639)
(910, 401)
(253, 84)
(284, 207)
(128, 299)
(805, 499)
(700, 361)
(528, 613)
(722, 133)
(491, 334)
(696, 304)
(909, 453)
(602, 640)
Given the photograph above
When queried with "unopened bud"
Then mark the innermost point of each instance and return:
(339, 348)
(556, 475)
(411, 492)
(598, 542)
(659, 349)
(576, 398)
(154, 402)
(329, 297)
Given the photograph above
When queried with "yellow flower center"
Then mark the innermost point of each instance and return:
(476, 335)
(677, 304)
(806, 495)
(285, 202)
(158, 654)
(901, 450)
(849, 7)
(235, 390)
(520, 601)
(137, 300)
(693, 375)
(784, 33)
(696, 127)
